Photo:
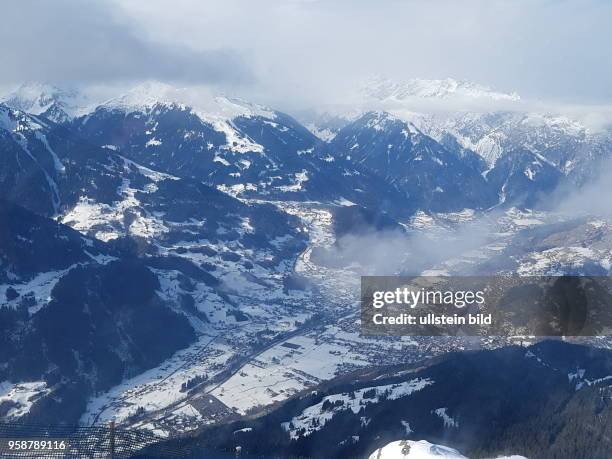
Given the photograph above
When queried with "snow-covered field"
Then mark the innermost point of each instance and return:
(293, 354)
(285, 369)
(160, 387)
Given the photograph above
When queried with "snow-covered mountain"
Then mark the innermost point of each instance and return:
(254, 151)
(421, 449)
(441, 174)
(50, 101)
(384, 89)
(521, 155)
(431, 176)
(492, 404)
(182, 132)
(232, 219)
(412, 98)
(243, 149)
(566, 143)
(196, 252)
(72, 314)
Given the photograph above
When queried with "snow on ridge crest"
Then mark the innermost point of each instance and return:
(218, 111)
(380, 120)
(14, 120)
(380, 88)
(201, 100)
(422, 449)
(7, 118)
(36, 98)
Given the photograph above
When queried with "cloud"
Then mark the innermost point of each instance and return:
(308, 52)
(592, 198)
(303, 53)
(393, 252)
(91, 42)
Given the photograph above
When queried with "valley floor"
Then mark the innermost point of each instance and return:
(307, 338)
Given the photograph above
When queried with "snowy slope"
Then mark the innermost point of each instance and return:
(381, 89)
(513, 397)
(218, 111)
(315, 417)
(468, 117)
(155, 179)
(559, 139)
(422, 449)
(431, 175)
(57, 104)
(243, 149)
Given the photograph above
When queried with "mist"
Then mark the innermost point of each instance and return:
(409, 253)
(70, 42)
(297, 54)
(400, 252)
(593, 198)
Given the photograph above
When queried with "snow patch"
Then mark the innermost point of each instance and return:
(315, 417)
(422, 449)
(21, 396)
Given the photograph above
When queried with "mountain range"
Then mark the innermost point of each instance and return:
(159, 248)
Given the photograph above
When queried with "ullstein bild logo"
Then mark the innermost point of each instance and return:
(486, 306)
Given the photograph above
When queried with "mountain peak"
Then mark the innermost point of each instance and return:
(381, 89)
(380, 120)
(202, 100)
(53, 102)
(36, 98)
(144, 96)
(422, 449)
(12, 119)
(405, 449)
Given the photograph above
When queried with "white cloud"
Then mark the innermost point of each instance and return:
(303, 52)
(551, 49)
